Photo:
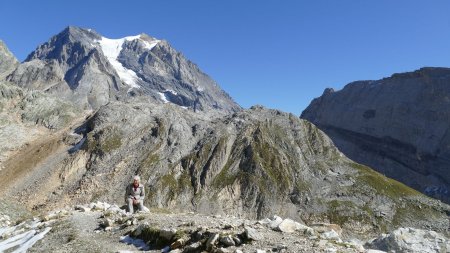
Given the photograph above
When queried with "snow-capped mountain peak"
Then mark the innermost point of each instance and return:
(111, 48)
(89, 69)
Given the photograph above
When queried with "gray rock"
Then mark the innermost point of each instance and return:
(227, 241)
(8, 61)
(252, 234)
(107, 223)
(237, 240)
(330, 235)
(194, 247)
(82, 208)
(290, 226)
(222, 250)
(212, 240)
(275, 222)
(167, 233)
(411, 240)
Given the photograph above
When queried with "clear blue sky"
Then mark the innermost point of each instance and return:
(280, 54)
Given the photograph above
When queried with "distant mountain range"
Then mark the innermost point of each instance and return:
(84, 113)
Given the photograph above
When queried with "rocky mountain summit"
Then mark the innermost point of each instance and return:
(90, 70)
(397, 125)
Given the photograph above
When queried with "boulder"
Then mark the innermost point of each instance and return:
(411, 240)
(211, 241)
(167, 233)
(325, 227)
(227, 241)
(290, 226)
(275, 221)
(330, 235)
(252, 235)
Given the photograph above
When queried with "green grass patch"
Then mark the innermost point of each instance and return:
(382, 184)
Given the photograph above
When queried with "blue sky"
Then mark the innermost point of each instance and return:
(280, 54)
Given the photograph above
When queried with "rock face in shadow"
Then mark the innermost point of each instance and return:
(397, 125)
(90, 71)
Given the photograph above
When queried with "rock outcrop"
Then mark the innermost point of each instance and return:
(397, 125)
(27, 115)
(8, 61)
(90, 70)
(411, 240)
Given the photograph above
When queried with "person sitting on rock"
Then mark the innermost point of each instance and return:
(135, 194)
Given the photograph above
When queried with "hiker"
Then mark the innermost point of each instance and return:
(135, 195)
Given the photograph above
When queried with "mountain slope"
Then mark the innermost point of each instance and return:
(254, 163)
(91, 70)
(397, 125)
(8, 61)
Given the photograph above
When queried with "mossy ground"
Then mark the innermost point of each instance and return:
(382, 184)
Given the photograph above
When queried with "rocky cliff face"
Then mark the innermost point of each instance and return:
(398, 126)
(91, 70)
(8, 61)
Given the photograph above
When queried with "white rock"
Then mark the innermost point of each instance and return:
(167, 233)
(252, 234)
(330, 250)
(265, 221)
(330, 235)
(290, 226)
(222, 250)
(276, 220)
(139, 229)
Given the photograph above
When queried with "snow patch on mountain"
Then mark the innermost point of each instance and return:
(163, 97)
(111, 49)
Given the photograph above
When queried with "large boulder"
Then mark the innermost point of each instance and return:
(411, 240)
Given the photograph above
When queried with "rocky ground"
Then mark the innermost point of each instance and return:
(100, 227)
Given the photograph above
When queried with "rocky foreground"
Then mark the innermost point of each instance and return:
(100, 227)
